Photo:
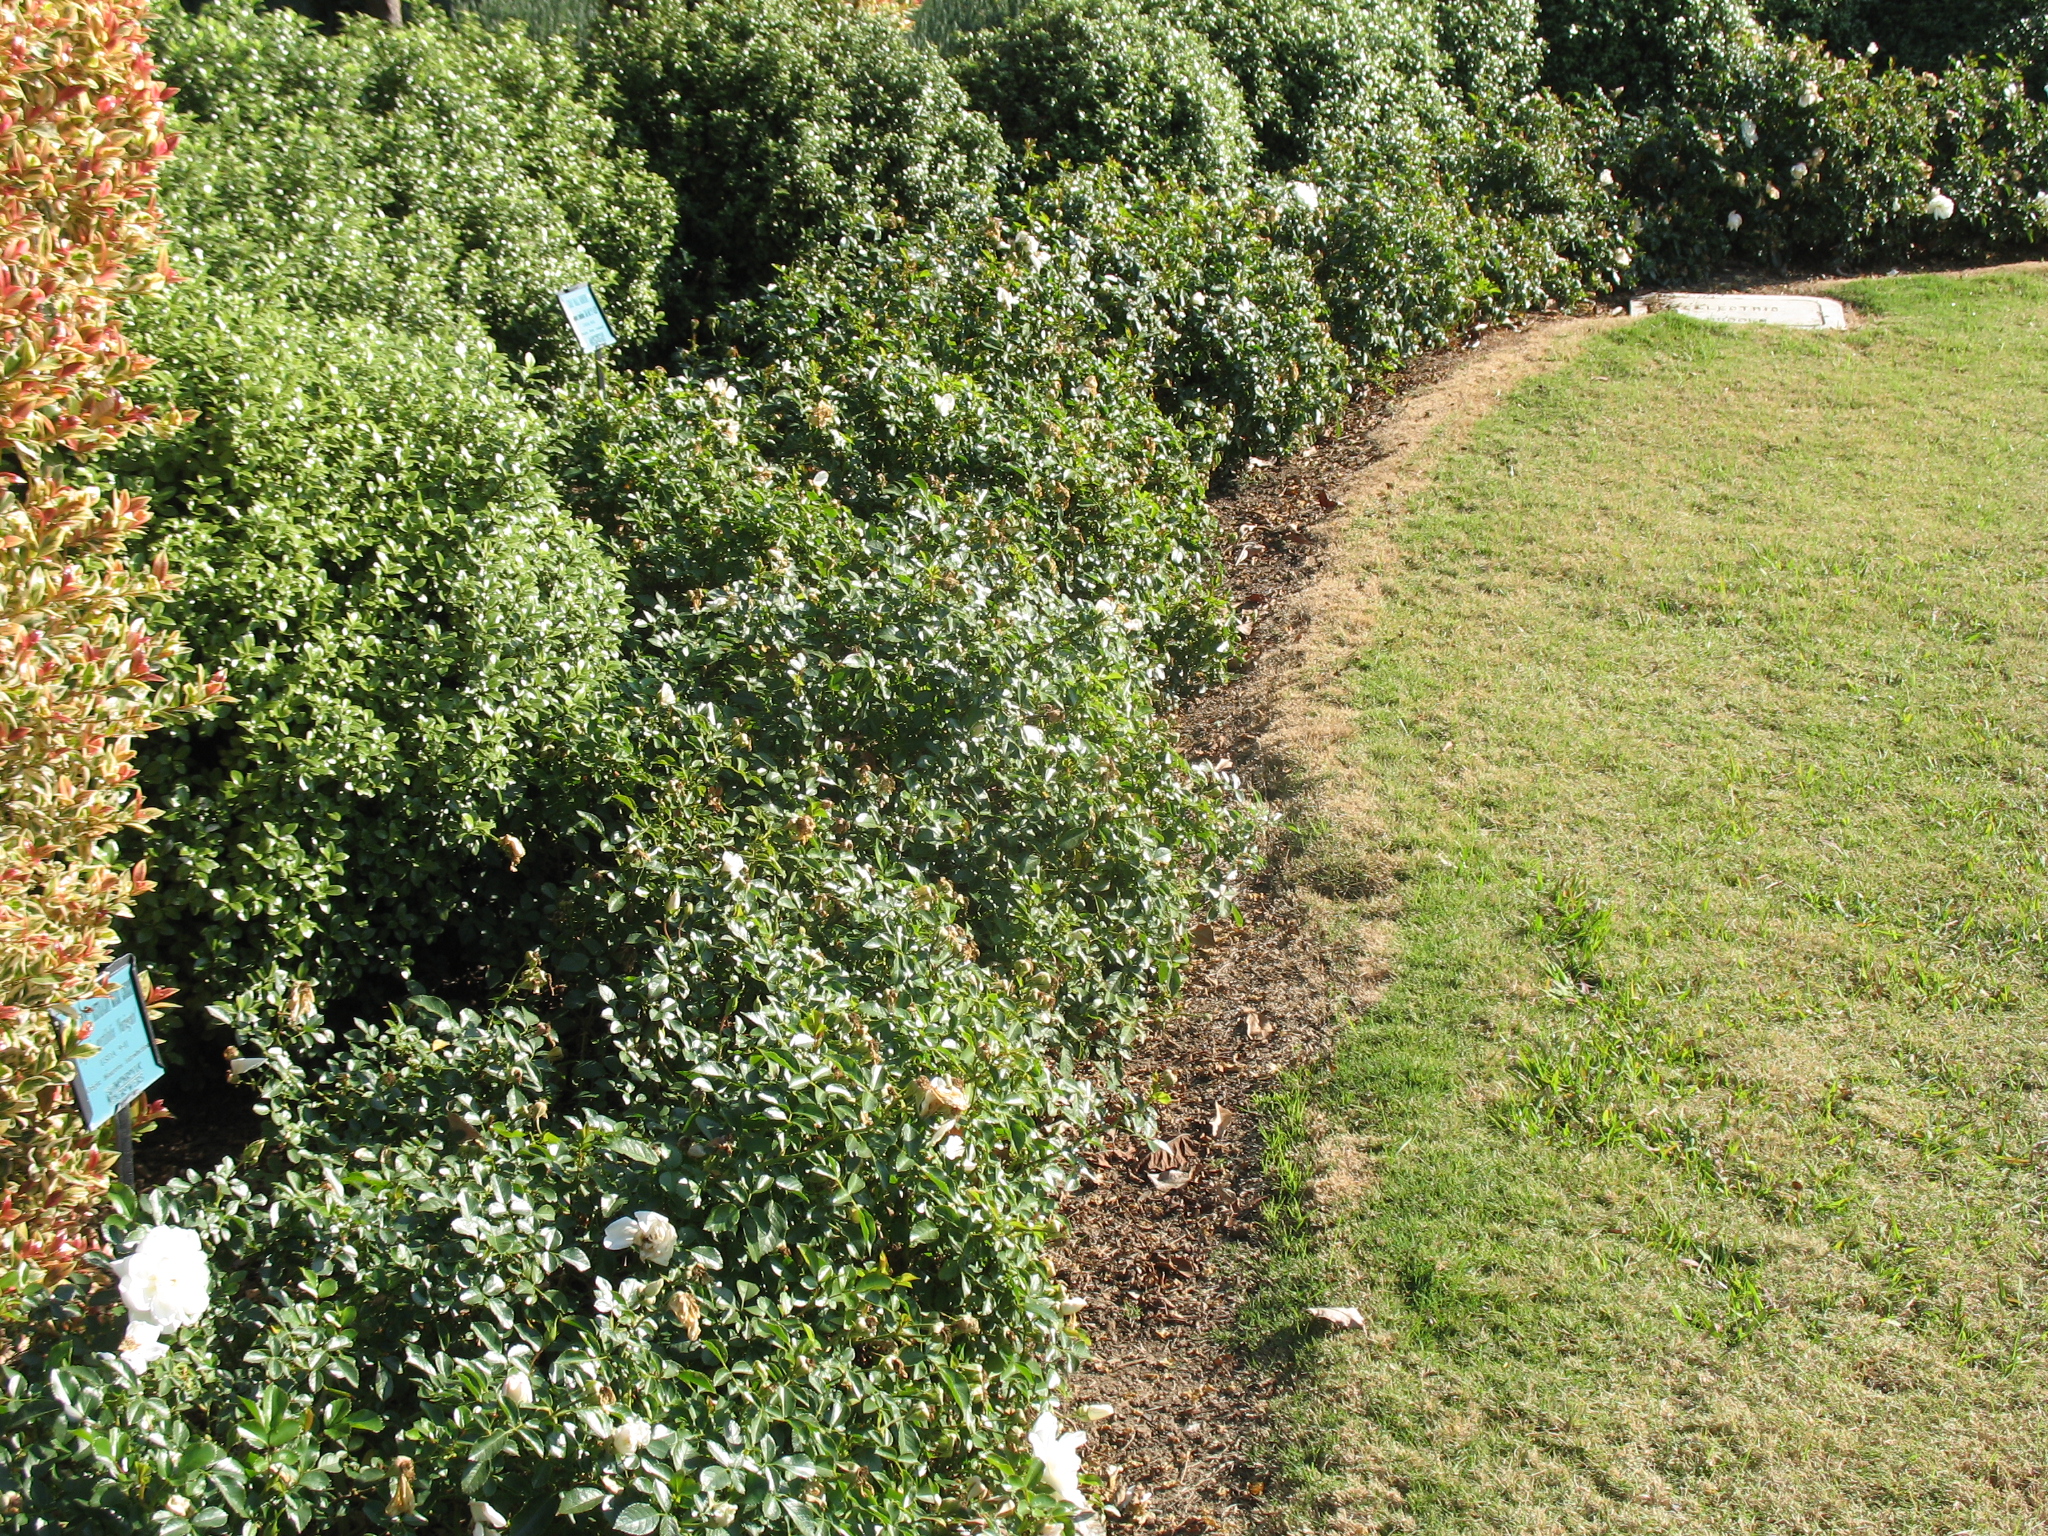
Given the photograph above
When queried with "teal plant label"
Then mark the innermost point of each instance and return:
(124, 1060)
(586, 318)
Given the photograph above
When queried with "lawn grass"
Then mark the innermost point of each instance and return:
(1691, 1171)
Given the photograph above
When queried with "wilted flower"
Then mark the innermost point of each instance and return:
(515, 850)
(1748, 131)
(943, 404)
(519, 1390)
(1734, 220)
(1809, 94)
(164, 1284)
(631, 1437)
(178, 1505)
(942, 1098)
(402, 1500)
(648, 1233)
(1060, 1456)
(688, 1313)
(483, 1519)
(302, 1005)
(728, 431)
(1940, 205)
(1305, 193)
(823, 414)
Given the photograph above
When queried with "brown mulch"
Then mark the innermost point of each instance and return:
(1162, 1267)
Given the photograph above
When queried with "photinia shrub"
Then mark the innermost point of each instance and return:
(82, 135)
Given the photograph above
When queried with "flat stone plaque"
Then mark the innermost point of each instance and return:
(1795, 309)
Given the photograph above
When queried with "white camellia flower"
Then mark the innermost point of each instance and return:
(1305, 193)
(1748, 132)
(1940, 205)
(164, 1286)
(1060, 1456)
(648, 1233)
(519, 1390)
(483, 1519)
(943, 404)
(631, 1437)
(1809, 95)
(1734, 220)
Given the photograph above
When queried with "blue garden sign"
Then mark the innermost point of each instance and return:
(124, 1059)
(586, 318)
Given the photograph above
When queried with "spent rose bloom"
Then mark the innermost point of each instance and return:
(940, 1098)
(648, 1233)
(164, 1279)
(631, 1437)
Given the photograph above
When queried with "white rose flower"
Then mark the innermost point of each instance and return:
(1305, 193)
(164, 1279)
(943, 404)
(648, 1233)
(519, 1390)
(1060, 1456)
(953, 1148)
(820, 480)
(1606, 178)
(2041, 202)
(1809, 95)
(1006, 298)
(1799, 170)
(483, 1519)
(631, 1437)
(1940, 205)
(1622, 257)
(1734, 221)
(735, 866)
(721, 1513)
(139, 1346)
(728, 431)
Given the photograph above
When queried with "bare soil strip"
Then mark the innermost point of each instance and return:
(1166, 1261)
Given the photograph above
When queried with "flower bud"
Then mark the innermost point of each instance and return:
(519, 1390)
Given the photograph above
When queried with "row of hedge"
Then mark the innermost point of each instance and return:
(694, 835)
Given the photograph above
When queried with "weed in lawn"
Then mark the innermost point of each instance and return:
(1709, 1104)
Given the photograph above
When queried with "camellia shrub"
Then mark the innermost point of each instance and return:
(409, 175)
(779, 125)
(82, 134)
(1096, 81)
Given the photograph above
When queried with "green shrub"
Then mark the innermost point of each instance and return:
(404, 175)
(1095, 81)
(1420, 230)
(413, 632)
(1645, 51)
(1784, 152)
(1918, 34)
(780, 125)
(1492, 49)
(1313, 68)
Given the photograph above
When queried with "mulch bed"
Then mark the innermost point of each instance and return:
(1163, 1267)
